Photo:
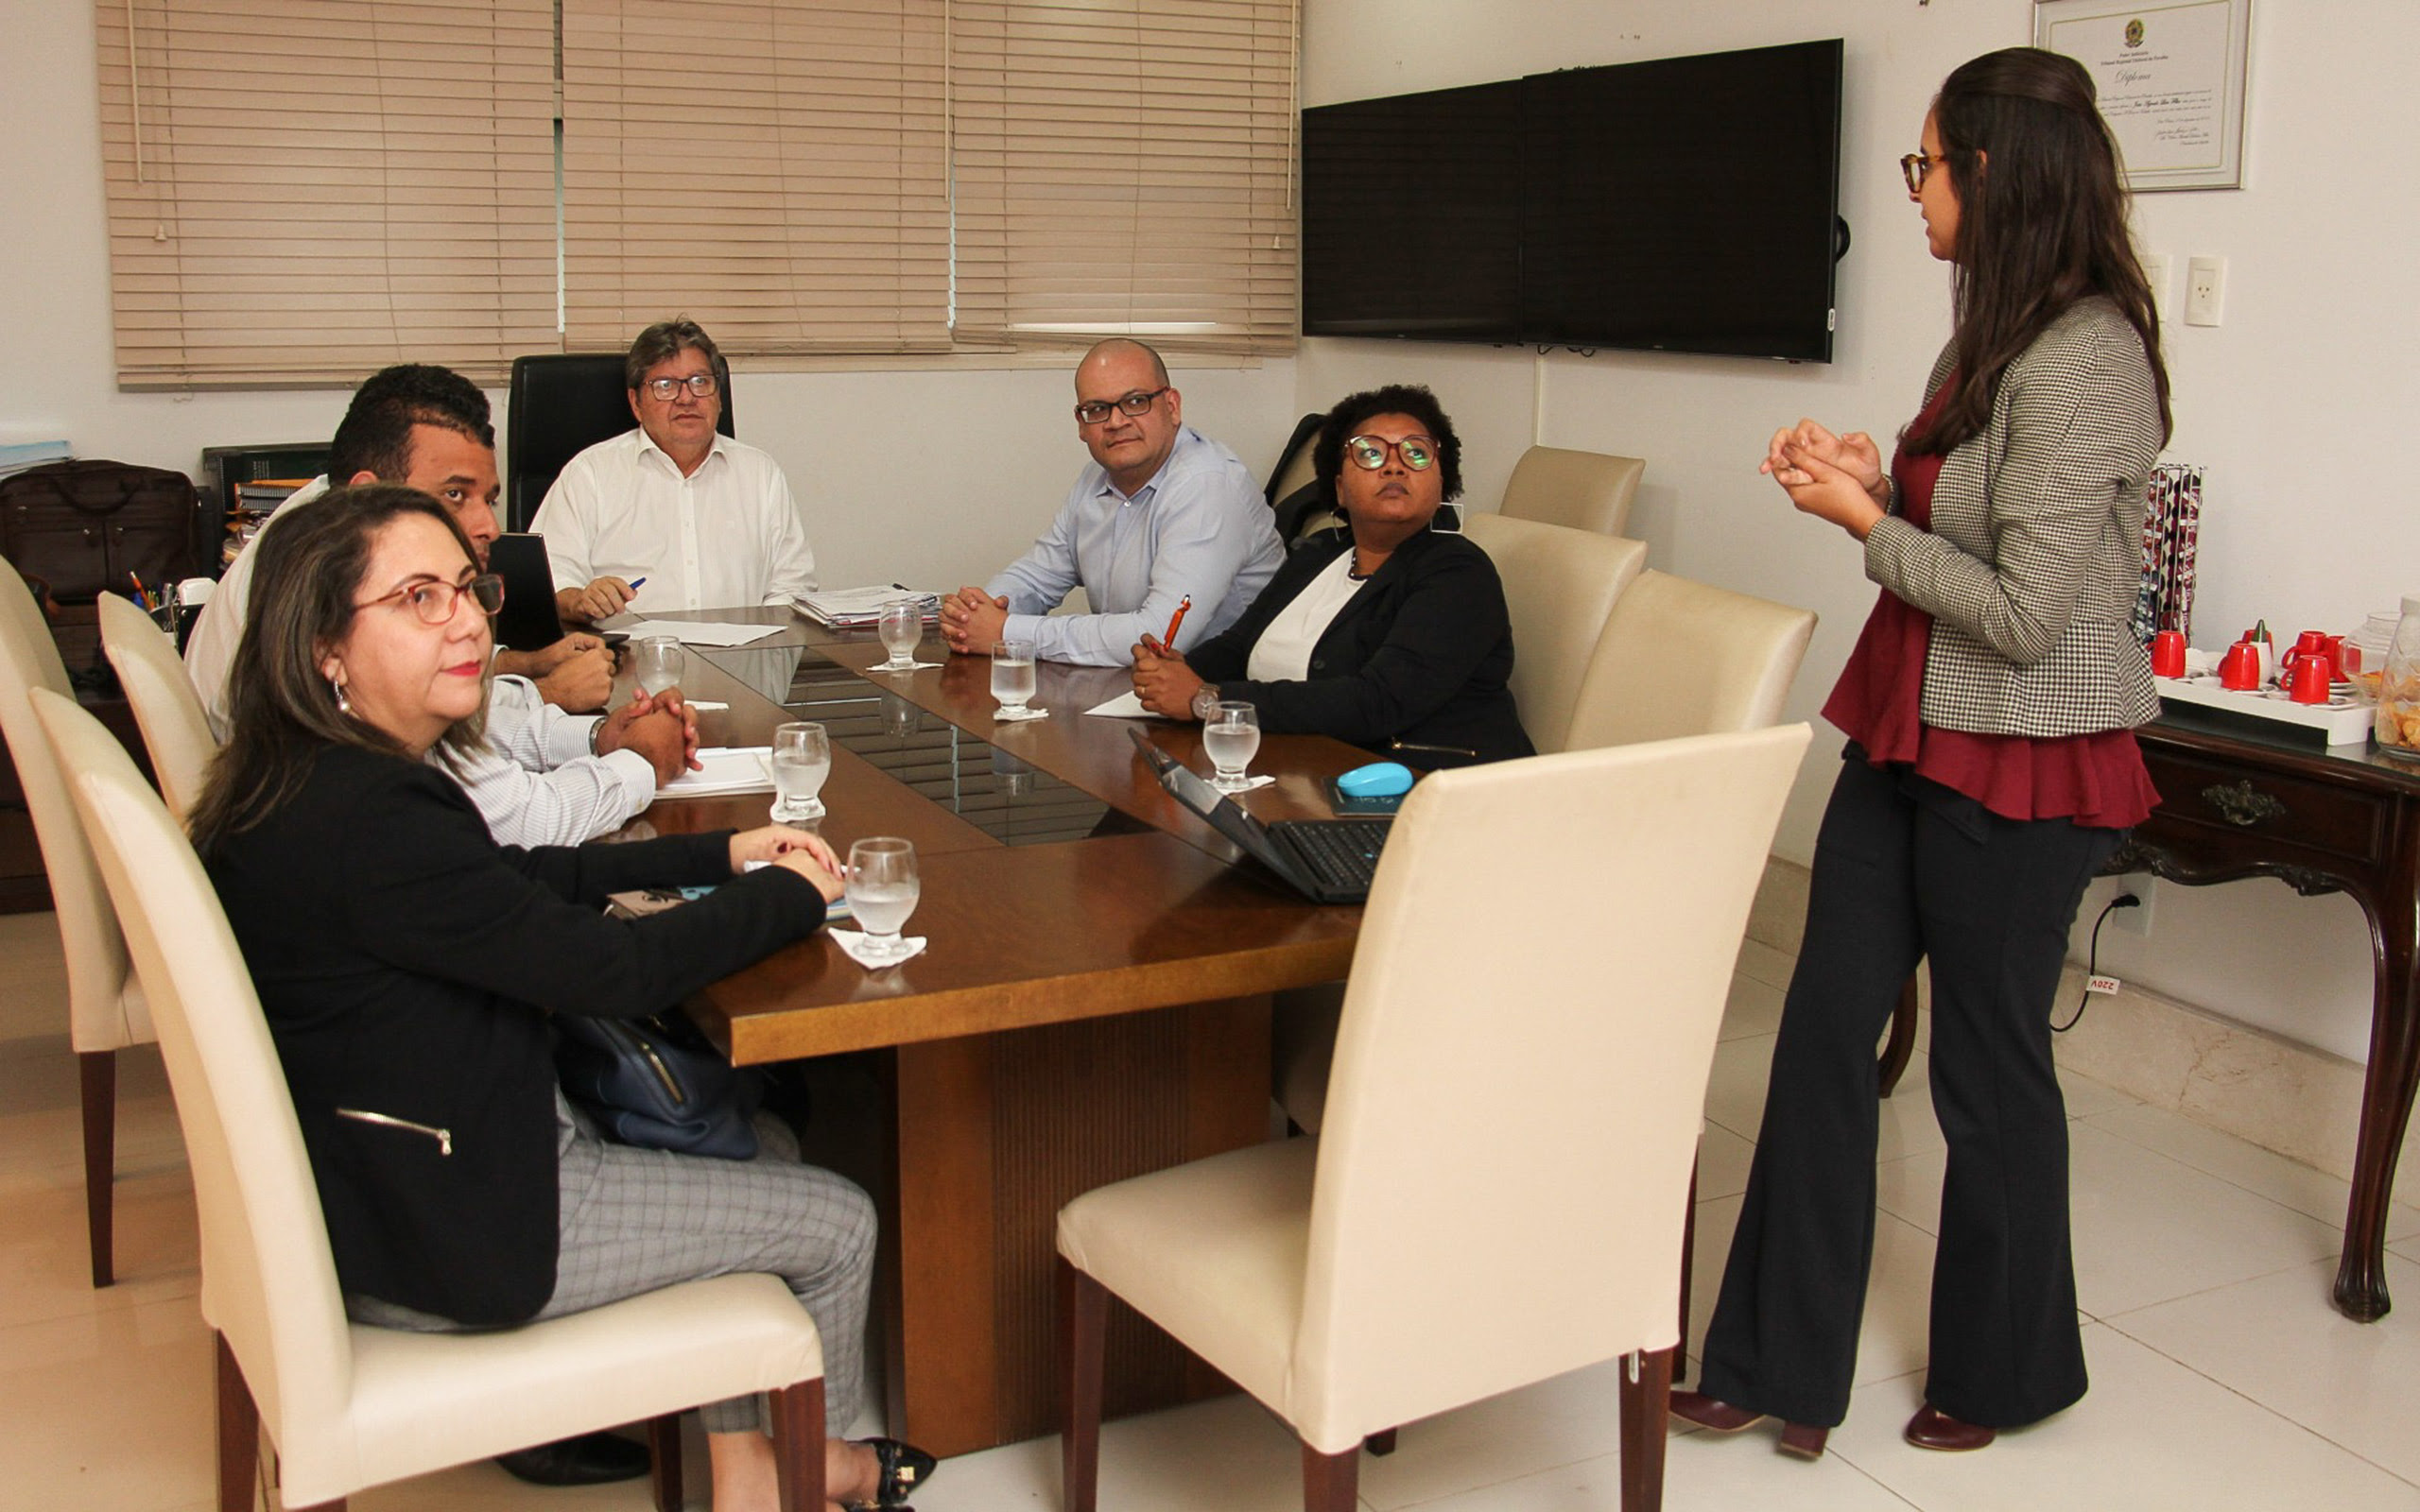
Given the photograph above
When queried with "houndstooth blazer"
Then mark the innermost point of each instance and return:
(2035, 558)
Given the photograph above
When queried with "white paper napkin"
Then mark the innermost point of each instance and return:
(1013, 716)
(1125, 706)
(1250, 784)
(900, 672)
(853, 941)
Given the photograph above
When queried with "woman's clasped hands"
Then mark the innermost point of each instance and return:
(799, 851)
(1837, 478)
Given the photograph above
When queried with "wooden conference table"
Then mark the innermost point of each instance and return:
(1093, 1003)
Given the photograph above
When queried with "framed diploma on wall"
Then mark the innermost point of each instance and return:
(2170, 76)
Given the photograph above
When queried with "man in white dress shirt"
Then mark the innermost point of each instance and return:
(673, 515)
(545, 778)
(1162, 515)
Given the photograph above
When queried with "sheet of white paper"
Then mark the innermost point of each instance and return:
(1125, 706)
(728, 769)
(702, 632)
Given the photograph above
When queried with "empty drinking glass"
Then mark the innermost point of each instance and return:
(1012, 680)
(802, 760)
(903, 628)
(1231, 735)
(883, 890)
(659, 662)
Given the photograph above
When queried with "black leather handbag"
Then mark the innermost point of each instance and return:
(657, 1083)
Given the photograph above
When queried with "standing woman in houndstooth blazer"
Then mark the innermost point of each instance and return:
(1991, 769)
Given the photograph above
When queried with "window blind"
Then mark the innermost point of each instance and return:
(777, 172)
(303, 191)
(1125, 166)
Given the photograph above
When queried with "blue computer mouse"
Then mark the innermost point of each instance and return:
(1377, 780)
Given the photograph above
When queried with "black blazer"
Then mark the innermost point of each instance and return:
(1418, 657)
(406, 964)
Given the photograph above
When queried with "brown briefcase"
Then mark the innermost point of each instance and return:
(84, 527)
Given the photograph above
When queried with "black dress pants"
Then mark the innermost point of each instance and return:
(1907, 869)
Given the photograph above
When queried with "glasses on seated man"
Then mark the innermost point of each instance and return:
(1093, 411)
(700, 384)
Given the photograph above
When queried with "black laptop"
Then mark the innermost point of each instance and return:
(529, 621)
(1328, 861)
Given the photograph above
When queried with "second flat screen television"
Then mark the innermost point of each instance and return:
(1686, 204)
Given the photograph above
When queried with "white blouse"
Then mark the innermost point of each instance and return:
(1283, 653)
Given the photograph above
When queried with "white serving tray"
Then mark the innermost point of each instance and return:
(2342, 720)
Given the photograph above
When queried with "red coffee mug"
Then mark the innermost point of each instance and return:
(2239, 669)
(2168, 654)
(2311, 677)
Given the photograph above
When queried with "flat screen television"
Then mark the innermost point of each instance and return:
(1412, 215)
(1682, 204)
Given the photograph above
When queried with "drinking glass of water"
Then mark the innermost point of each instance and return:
(802, 760)
(1231, 735)
(659, 662)
(1013, 680)
(903, 628)
(882, 890)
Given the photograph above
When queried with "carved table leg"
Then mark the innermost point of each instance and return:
(2386, 1087)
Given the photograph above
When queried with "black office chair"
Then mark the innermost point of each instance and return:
(560, 405)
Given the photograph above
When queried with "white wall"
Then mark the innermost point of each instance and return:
(927, 477)
(2290, 404)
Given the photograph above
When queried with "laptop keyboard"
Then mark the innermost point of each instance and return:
(1341, 852)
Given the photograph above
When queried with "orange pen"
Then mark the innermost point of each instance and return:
(1176, 619)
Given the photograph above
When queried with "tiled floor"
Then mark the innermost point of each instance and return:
(2221, 1377)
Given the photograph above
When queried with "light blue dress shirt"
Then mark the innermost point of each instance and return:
(1200, 526)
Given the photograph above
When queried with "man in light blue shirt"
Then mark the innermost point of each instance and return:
(1162, 514)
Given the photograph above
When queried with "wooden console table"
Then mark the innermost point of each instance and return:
(2239, 803)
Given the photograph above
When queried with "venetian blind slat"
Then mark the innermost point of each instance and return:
(307, 190)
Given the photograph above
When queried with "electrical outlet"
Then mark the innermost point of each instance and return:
(2137, 919)
(2206, 290)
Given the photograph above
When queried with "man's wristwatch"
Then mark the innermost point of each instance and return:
(1205, 701)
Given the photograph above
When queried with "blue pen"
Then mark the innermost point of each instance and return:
(637, 583)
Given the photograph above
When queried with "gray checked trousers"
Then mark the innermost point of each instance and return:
(636, 1221)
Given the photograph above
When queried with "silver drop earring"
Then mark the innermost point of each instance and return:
(344, 704)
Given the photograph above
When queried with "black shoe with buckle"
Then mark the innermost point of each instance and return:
(589, 1459)
(902, 1468)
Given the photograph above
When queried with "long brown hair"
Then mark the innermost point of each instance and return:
(280, 712)
(2041, 224)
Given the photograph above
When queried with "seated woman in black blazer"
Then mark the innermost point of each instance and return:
(407, 964)
(1388, 635)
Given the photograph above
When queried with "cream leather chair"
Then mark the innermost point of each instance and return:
(105, 1007)
(1681, 657)
(167, 708)
(348, 1407)
(1586, 490)
(1427, 1250)
(1561, 584)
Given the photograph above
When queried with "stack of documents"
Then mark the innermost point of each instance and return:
(857, 609)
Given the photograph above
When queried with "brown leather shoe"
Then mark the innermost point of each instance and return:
(1931, 1428)
(1696, 1408)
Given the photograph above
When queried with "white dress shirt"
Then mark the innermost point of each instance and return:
(725, 536)
(1283, 653)
(1200, 527)
(534, 781)
(210, 650)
